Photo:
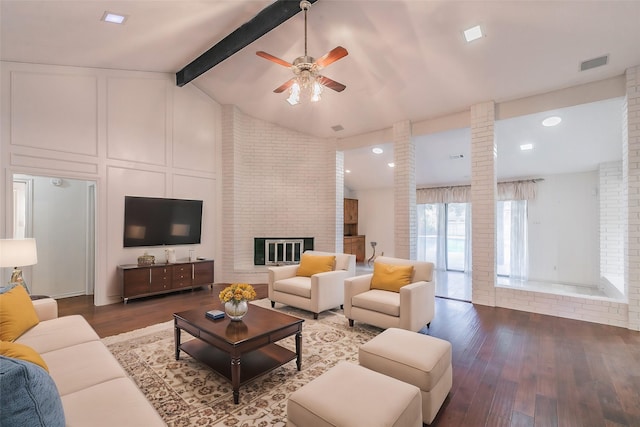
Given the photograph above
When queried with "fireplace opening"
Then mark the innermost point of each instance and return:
(280, 250)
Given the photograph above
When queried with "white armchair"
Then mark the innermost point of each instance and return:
(411, 308)
(317, 292)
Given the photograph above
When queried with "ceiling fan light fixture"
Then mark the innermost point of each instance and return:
(317, 91)
(294, 94)
(307, 84)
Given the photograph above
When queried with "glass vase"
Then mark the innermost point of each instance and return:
(236, 310)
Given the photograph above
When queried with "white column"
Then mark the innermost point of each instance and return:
(405, 191)
(483, 203)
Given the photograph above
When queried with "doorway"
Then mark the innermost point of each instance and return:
(60, 214)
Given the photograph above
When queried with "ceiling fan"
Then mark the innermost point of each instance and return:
(306, 69)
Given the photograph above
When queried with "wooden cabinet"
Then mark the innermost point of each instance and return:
(160, 280)
(182, 276)
(355, 245)
(139, 281)
(353, 242)
(202, 273)
(351, 211)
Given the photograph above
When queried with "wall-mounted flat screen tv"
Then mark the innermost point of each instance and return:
(151, 221)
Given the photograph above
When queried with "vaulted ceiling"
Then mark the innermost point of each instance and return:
(407, 58)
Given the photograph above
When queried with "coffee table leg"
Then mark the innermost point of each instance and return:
(176, 333)
(235, 378)
(299, 350)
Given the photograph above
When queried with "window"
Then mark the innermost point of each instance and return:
(444, 235)
(511, 239)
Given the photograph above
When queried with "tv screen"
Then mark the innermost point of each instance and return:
(150, 221)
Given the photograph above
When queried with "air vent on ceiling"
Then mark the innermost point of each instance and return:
(593, 63)
(337, 128)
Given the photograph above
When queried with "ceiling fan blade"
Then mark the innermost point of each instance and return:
(284, 86)
(333, 56)
(272, 58)
(331, 84)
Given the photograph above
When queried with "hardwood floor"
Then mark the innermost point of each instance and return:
(510, 368)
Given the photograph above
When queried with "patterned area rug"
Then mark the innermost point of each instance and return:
(187, 393)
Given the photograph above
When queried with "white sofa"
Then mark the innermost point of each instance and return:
(94, 389)
(317, 293)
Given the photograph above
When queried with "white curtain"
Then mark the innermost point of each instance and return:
(467, 241)
(514, 190)
(441, 239)
(519, 268)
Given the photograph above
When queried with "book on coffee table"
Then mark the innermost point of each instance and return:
(214, 314)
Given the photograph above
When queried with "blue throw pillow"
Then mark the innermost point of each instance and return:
(28, 395)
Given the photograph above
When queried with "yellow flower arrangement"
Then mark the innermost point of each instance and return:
(237, 292)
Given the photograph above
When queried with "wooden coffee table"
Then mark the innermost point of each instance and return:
(239, 351)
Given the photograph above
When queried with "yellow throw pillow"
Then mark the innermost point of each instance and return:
(17, 314)
(314, 264)
(22, 352)
(390, 277)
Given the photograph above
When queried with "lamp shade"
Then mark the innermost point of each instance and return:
(18, 252)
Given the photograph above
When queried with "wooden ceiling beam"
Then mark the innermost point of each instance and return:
(266, 20)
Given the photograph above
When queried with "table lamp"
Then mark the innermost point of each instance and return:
(18, 253)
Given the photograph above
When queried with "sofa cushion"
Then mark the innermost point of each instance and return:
(377, 300)
(59, 333)
(17, 314)
(314, 264)
(117, 402)
(28, 395)
(300, 286)
(389, 277)
(22, 352)
(82, 372)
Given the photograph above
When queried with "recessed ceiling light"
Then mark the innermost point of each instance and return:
(377, 150)
(525, 147)
(348, 171)
(114, 18)
(473, 33)
(391, 165)
(551, 121)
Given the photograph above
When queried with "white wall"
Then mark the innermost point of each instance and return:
(376, 220)
(564, 230)
(133, 133)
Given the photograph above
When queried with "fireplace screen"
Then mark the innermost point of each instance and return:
(280, 250)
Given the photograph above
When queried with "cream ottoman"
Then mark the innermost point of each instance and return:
(416, 359)
(349, 395)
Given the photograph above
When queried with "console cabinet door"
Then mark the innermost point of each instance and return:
(160, 279)
(135, 281)
(350, 211)
(182, 276)
(203, 273)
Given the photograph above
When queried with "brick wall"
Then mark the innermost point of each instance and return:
(611, 220)
(590, 309)
(275, 183)
(483, 197)
(404, 173)
(631, 168)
